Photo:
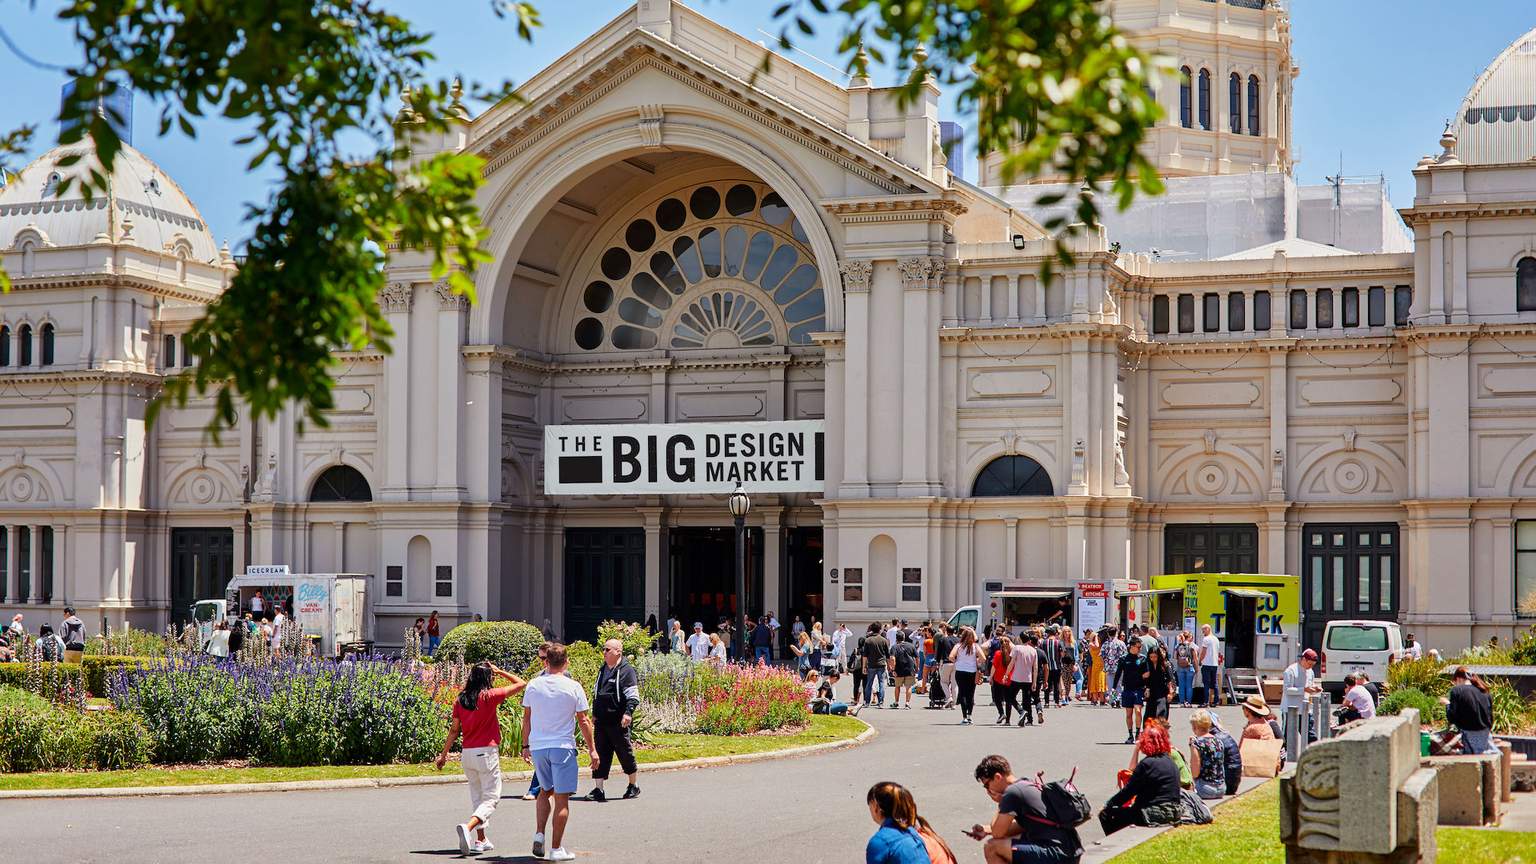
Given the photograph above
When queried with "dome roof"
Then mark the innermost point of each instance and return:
(1497, 120)
(151, 211)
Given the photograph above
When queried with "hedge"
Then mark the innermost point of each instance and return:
(46, 679)
(509, 644)
(38, 736)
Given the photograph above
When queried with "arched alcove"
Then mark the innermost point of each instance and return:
(418, 570)
(883, 576)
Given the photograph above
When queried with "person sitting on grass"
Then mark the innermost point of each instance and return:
(1151, 795)
(897, 840)
(1022, 832)
(474, 714)
(824, 697)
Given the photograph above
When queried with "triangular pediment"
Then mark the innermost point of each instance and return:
(502, 134)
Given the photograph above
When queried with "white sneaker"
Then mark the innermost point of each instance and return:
(538, 845)
(465, 847)
(484, 846)
(560, 855)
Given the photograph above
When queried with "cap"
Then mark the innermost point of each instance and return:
(1309, 654)
(698, 625)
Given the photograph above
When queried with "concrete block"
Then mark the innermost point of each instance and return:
(1418, 808)
(1344, 788)
(1461, 787)
(1491, 786)
(1522, 776)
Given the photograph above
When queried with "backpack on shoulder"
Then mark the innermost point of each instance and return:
(1065, 806)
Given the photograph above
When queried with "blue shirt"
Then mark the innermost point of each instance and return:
(892, 845)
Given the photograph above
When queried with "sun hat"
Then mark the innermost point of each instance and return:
(1257, 705)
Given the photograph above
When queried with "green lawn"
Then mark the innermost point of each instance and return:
(1249, 830)
(667, 748)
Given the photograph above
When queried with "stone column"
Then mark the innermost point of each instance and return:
(450, 393)
(395, 416)
(1013, 298)
(35, 589)
(857, 275)
(1311, 328)
(1012, 557)
(986, 297)
(1279, 407)
(918, 276)
(339, 565)
(12, 560)
(1040, 316)
(1505, 603)
(1223, 318)
(773, 544)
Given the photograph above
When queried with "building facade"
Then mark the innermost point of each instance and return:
(677, 241)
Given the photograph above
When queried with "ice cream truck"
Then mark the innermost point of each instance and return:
(333, 609)
(1257, 616)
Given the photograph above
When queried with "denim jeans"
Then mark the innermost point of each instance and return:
(875, 681)
(1186, 682)
(763, 654)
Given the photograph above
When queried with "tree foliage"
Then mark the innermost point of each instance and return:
(1054, 85)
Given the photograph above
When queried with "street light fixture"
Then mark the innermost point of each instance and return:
(740, 504)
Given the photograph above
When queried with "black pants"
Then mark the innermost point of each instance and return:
(1053, 687)
(1029, 699)
(965, 682)
(1001, 702)
(1112, 819)
(612, 738)
(858, 685)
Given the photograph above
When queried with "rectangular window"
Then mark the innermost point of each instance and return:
(1525, 567)
(1402, 304)
(911, 584)
(1236, 312)
(1324, 313)
(1186, 313)
(1298, 309)
(1316, 604)
(444, 580)
(394, 581)
(23, 563)
(1211, 313)
(1261, 318)
(45, 563)
(1363, 591)
(1351, 298)
(853, 584)
(5, 561)
(1159, 314)
(1388, 591)
(1235, 103)
(167, 351)
(1338, 584)
(1376, 301)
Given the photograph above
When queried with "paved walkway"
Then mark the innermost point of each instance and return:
(811, 808)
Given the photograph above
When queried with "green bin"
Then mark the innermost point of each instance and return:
(1423, 743)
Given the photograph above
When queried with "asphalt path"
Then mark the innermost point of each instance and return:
(807, 809)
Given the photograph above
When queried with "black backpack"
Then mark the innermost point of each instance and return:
(1065, 806)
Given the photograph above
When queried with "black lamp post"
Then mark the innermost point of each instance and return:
(740, 504)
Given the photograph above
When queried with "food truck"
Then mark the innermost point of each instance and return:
(1257, 616)
(1077, 605)
(332, 608)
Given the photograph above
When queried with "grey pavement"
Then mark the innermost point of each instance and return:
(811, 808)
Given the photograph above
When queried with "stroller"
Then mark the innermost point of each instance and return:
(936, 696)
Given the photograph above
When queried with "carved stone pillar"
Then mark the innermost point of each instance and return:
(395, 301)
(857, 276)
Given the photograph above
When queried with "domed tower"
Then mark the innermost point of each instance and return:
(102, 291)
(1227, 110)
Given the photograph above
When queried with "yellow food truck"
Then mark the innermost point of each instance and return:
(1257, 616)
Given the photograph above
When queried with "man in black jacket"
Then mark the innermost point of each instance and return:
(614, 701)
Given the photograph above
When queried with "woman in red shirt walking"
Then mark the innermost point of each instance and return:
(474, 714)
(1000, 681)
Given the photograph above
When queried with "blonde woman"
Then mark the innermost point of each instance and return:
(716, 649)
(1096, 678)
(965, 657)
(802, 650)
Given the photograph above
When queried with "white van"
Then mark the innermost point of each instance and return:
(966, 616)
(1359, 646)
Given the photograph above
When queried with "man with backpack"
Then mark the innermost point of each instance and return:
(74, 636)
(1036, 822)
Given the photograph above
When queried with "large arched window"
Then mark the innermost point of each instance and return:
(1008, 476)
(1205, 99)
(1235, 104)
(5, 346)
(24, 345)
(47, 348)
(1253, 104)
(341, 483)
(717, 266)
(1525, 285)
(1186, 99)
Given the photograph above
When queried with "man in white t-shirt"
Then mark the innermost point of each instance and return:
(258, 605)
(1209, 654)
(1413, 649)
(1358, 704)
(698, 643)
(552, 704)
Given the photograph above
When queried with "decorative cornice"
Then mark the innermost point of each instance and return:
(54, 281)
(869, 210)
(856, 276)
(526, 127)
(651, 119)
(1433, 212)
(396, 297)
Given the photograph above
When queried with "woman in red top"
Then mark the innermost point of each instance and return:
(1002, 650)
(474, 714)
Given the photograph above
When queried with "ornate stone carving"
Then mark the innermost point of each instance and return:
(1079, 462)
(921, 273)
(856, 276)
(446, 299)
(1210, 441)
(266, 487)
(1349, 438)
(651, 119)
(1277, 472)
(1122, 476)
(396, 297)
(1317, 785)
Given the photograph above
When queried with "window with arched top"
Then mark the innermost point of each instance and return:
(1253, 104)
(1205, 99)
(1525, 285)
(1235, 104)
(340, 483)
(1186, 98)
(46, 338)
(168, 351)
(24, 345)
(5, 346)
(1009, 476)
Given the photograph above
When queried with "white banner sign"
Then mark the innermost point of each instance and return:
(266, 570)
(684, 458)
(312, 606)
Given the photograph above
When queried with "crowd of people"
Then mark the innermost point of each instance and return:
(64, 644)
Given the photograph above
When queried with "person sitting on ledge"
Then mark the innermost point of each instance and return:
(1151, 795)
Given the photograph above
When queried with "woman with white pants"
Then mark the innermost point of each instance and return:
(474, 714)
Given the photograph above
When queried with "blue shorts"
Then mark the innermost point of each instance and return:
(555, 769)
(1130, 698)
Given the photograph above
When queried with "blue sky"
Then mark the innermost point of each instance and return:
(1378, 80)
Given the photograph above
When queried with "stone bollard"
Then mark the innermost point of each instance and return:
(1361, 798)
